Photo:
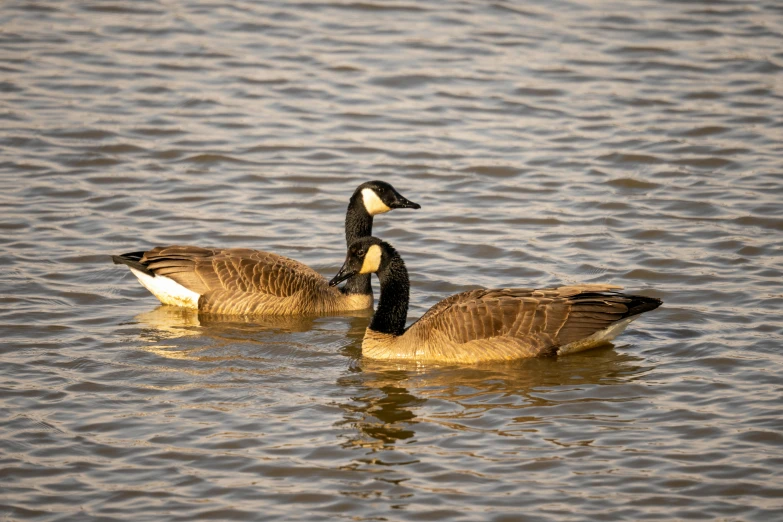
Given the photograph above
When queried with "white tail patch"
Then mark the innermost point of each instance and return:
(598, 338)
(167, 290)
(373, 203)
(372, 260)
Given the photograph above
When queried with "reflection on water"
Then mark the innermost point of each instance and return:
(165, 322)
(389, 399)
(381, 416)
(392, 397)
(210, 332)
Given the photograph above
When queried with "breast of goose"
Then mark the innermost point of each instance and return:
(489, 324)
(242, 281)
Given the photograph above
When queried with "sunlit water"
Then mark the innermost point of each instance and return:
(637, 143)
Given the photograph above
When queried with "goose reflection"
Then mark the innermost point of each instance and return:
(389, 399)
(179, 333)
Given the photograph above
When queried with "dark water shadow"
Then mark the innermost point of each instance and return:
(388, 400)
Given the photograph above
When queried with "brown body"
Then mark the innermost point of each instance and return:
(241, 281)
(506, 324)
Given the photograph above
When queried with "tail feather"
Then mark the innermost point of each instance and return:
(640, 304)
(133, 260)
(636, 304)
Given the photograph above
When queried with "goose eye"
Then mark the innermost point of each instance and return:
(360, 252)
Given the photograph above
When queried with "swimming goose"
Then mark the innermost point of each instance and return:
(486, 325)
(241, 281)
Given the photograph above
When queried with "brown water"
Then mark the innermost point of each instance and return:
(637, 143)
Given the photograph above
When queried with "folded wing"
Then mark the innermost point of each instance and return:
(236, 280)
(519, 322)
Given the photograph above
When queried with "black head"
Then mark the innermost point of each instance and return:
(365, 256)
(379, 197)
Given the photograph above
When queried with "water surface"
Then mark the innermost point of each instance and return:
(635, 143)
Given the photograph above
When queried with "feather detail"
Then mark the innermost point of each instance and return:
(240, 281)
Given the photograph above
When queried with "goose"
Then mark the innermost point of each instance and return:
(485, 325)
(241, 281)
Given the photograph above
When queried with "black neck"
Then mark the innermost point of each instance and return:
(358, 224)
(392, 308)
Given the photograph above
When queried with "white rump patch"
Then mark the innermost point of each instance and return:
(598, 338)
(373, 203)
(167, 290)
(372, 260)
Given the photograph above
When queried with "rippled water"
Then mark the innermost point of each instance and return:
(636, 143)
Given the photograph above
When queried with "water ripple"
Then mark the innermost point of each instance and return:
(547, 144)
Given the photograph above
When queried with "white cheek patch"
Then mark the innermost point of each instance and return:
(373, 203)
(372, 261)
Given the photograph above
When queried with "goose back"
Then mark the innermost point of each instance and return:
(239, 281)
(512, 323)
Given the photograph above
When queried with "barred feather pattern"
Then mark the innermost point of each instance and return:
(239, 281)
(506, 324)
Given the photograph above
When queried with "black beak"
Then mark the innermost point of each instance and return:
(403, 202)
(342, 275)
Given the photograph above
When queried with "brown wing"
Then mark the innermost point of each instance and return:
(520, 321)
(233, 270)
